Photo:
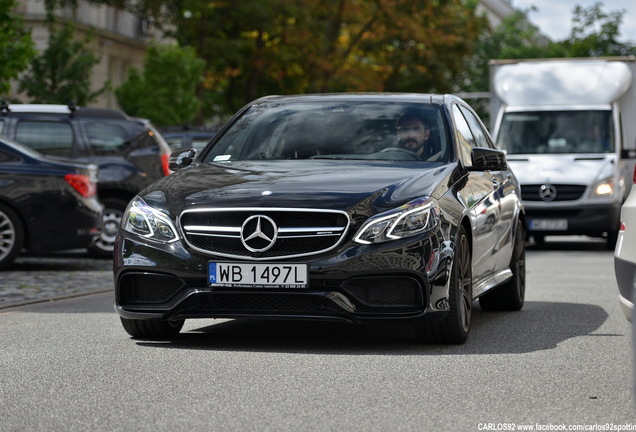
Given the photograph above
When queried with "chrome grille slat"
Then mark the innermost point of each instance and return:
(300, 232)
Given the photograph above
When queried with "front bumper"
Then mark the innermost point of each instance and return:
(401, 282)
(591, 220)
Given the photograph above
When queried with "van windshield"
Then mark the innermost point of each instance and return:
(547, 132)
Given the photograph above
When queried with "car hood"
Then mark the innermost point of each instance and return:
(334, 185)
(560, 169)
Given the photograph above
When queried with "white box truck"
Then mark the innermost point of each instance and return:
(569, 129)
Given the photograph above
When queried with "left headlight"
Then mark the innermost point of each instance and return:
(413, 218)
(148, 222)
(605, 188)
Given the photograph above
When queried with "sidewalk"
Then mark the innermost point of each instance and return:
(33, 279)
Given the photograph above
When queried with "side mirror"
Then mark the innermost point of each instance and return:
(182, 160)
(487, 159)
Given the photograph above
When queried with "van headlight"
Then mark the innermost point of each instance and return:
(415, 217)
(605, 188)
(148, 222)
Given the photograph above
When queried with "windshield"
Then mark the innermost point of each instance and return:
(334, 130)
(539, 132)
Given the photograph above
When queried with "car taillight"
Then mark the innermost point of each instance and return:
(82, 184)
(165, 163)
(622, 228)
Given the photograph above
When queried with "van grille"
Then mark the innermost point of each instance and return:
(563, 192)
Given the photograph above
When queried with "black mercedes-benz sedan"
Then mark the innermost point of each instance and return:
(47, 204)
(358, 208)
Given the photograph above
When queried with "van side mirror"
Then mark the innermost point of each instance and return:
(182, 159)
(487, 159)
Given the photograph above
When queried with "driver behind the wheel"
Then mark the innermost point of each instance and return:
(412, 133)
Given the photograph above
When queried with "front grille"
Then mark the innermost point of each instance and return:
(262, 233)
(144, 288)
(391, 292)
(563, 192)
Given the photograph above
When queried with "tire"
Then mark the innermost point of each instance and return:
(111, 218)
(152, 328)
(612, 239)
(510, 295)
(454, 329)
(11, 236)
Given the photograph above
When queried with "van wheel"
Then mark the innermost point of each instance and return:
(111, 218)
(612, 238)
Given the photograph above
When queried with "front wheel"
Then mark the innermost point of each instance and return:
(454, 329)
(151, 328)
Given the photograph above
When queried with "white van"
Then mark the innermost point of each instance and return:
(569, 129)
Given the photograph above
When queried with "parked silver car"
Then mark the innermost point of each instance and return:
(625, 255)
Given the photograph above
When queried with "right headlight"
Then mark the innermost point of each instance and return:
(413, 218)
(148, 222)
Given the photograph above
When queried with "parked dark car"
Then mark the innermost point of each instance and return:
(328, 207)
(129, 152)
(183, 138)
(46, 204)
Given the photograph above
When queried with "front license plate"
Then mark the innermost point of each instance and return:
(257, 275)
(548, 224)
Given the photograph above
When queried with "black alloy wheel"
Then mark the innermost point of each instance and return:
(454, 329)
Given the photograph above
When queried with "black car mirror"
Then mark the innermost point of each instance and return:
(182, 159)
(487, 159)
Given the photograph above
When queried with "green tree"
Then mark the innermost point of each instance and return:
(62, 73)
(253, 48)
(166, 90)
(595, 33)
(16, 46)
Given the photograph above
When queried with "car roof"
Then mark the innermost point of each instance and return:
(361, 97)
(63, 109)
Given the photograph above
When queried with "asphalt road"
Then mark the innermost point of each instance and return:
(564, 361)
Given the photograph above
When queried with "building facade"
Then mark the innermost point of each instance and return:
(119, 39)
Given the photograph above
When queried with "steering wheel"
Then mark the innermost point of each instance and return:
(412, 155)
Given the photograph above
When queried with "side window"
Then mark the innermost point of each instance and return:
(8, 157)
(51, 138)
(146, 139)
(480, 137)
(465, 138)
(106, 139)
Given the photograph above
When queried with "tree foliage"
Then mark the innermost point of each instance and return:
(62, 73)
(253, 48)
(166, 90)
(16, 46)
(595, 33)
